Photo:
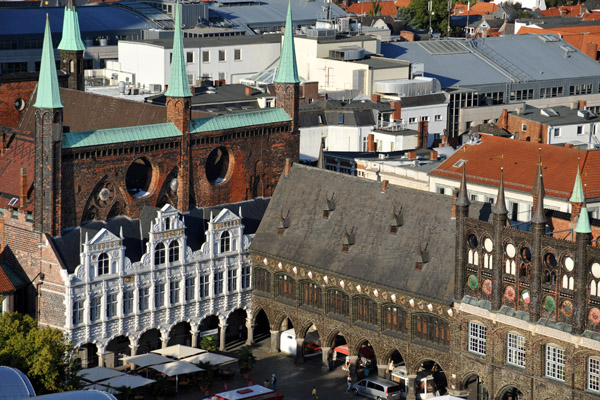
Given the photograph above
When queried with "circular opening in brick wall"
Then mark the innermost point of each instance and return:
(526, 254)
(19, 104)
(139, 177)
(472, 240)
(217, 165)
(550, 260)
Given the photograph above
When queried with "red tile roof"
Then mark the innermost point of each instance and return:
(402, 3)
(570, 11)
(6, 286)
(481, 8)
(387, 8)
(19, 154)
(519, 159)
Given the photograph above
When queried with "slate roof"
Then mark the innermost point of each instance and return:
(565, 116)
(425, 100)
(377, 256)
(135, 231)
(519, 162)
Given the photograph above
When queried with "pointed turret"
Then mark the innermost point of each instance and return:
(539, 217)
(288, 70)
(539, 178)
(321, 159)
(48, 93)
(463, 198)
(583, 225)
(71, 36)
(499, 206)
(178, 80)
(577, 197)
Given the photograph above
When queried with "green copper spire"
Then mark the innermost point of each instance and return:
(583, 225)
(577, 196)
(288, 71)
(71, 36)
(48, 94)
(178, 81)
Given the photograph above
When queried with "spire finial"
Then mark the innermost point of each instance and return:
(499, 206)
(48, 93)
(321, 159)
(539, 216)
(288, 70)
(577, 196)
(463, 198)
(583, 224)
(538, 176)
(178, 80)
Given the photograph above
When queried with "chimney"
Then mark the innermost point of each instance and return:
(375, 98)
(454, 198)
(412, 155)
(503, 120)
(248, 91)
(574, 105)
(384, 185)
(371, 143)
(288, 166)
(23, 192)
(433, 155)
(422, 134)
(3, 146)
(444, 141)
(582, 104)
(397, 115)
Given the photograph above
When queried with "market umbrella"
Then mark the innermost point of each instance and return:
(132, 381)
(211, 358)
(98, 374)
(146, 360)
(175, 369)
(178, 351)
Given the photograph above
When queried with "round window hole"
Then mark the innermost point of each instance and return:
(217, 165)
(138, 177)
(526, 254)
(550, 260)
(19, 104)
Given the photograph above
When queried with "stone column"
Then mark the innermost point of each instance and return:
(222, 336)
(275, 341)
(133, 350)
(325, 358)
(412, 393)
(250, 336)
(164, 341)
(100, 356)
(194, 338)
(299, 350)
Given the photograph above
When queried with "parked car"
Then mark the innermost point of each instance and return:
(378, 389)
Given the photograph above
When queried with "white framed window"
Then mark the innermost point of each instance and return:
(225, 241)
(425, 118)
(173, 251)
(412, 120)
(438, 117)
(205, 57)
(524, 127)
(515, 350)
(477, 338)
(111, 305)
(95, 305)
(221, 55)
(77, 312)
(127, 302)
(218, 284)
(593, 374)
(174, 292)
(159, 295)
(556, 132)
(231, 280)
(190, 284)
(144, 295)
(103, 264)
(237, 55)
(245, 277)
(204, 286)
(555, 363)
(580, 129)
(189, 57)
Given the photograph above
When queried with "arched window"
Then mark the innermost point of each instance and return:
(430, 328)
(173, 251)
(364, 309)
(159, 254)
(338, 302)
(311, 294)
(225, 242)
(262, 280)
(103, 264)
(286, 287)
(394, 318)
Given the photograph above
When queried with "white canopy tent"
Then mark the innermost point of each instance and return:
(101, 388)
(98, 374)
(131, 381)
(211, 358)
(178, 351)
(175, 369)
(146, 360)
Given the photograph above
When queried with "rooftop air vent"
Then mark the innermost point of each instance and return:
(549, 112)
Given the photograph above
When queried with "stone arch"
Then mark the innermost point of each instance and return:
(506, 389)
(116, 349)
(179, 339)
(469, 378)
(168, 191)
(416, 365)
(303, 329)
(331, 337)
(149, 340)
(279, 320)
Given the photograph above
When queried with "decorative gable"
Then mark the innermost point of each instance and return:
(102, 255)
(225, 232)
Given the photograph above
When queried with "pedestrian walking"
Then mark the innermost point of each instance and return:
(273, 382)
(348, 383)
(314, 393)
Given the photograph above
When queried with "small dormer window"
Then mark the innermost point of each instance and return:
(159, 254)
(225, 242)
(103, 264)
(173, 251)
(167, 224)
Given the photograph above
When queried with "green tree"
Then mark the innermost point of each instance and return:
(209, 343)
(404, 15)
(375, 8)
(43, 354)
(420, 15)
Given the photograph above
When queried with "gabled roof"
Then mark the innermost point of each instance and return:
(10, 280)
(48, 94)
(239, 120)
(19, 154)
(361, 209)
(519, 159)
(118, 135)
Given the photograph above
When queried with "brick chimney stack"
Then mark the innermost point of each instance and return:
(288, 166)
(23, 192)
(371, 143)
(422, 134)
(397, 114)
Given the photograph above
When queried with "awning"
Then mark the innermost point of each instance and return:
(211, 358)
(178, 351)
(364, 351)
(175, 368)
(146, 360)
(343, 349)
(98, 374)
(131, 381)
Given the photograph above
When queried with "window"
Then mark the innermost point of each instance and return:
(262, 280)
(95, 305)
(340, 118)
(231, 280)
(174, 292)
(430, 328)
(13, 67)
(477, 338)
(237, 54)
(245, 277)
(438, 117)
(159, 254)
(190, 284)
(111, 305)
(77, 312)
(9, 44)
(556, 132)
(412, 120)
(218, 283)
(515, 350)
(579, 129)
(286, 287)
(394, 319)
(555, 363)
(221, 55)
(174, 251)
(159, 295)
(524, 127)
(364, 309)
(205, 56)
(225, 242)
(190, 57)
(102, 264)
(204, 286)
(425, 118)
(144, 295)
(127, 302)
(311, 294)
(221, 76)
(337, 302)
(593, 374)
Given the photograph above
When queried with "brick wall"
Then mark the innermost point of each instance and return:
(11, 92)
(534, 131)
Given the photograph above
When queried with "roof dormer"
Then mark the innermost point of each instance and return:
(103, 255)
(225, 231)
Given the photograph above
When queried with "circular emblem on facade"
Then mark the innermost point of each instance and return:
(104, 194)
(488, 244)
(510, 293)
(567, 308)
(569, 264)
(173, 184)
(510, 250)
(595, 315)
(549, 303)
(472, 282)
(487, 286)
(596, 270)
(525, 296)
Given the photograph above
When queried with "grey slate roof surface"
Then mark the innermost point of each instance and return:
(425, 100)
(566, 116)
(377, 256)
(218, 41)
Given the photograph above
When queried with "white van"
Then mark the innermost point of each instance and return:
(378, 388)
